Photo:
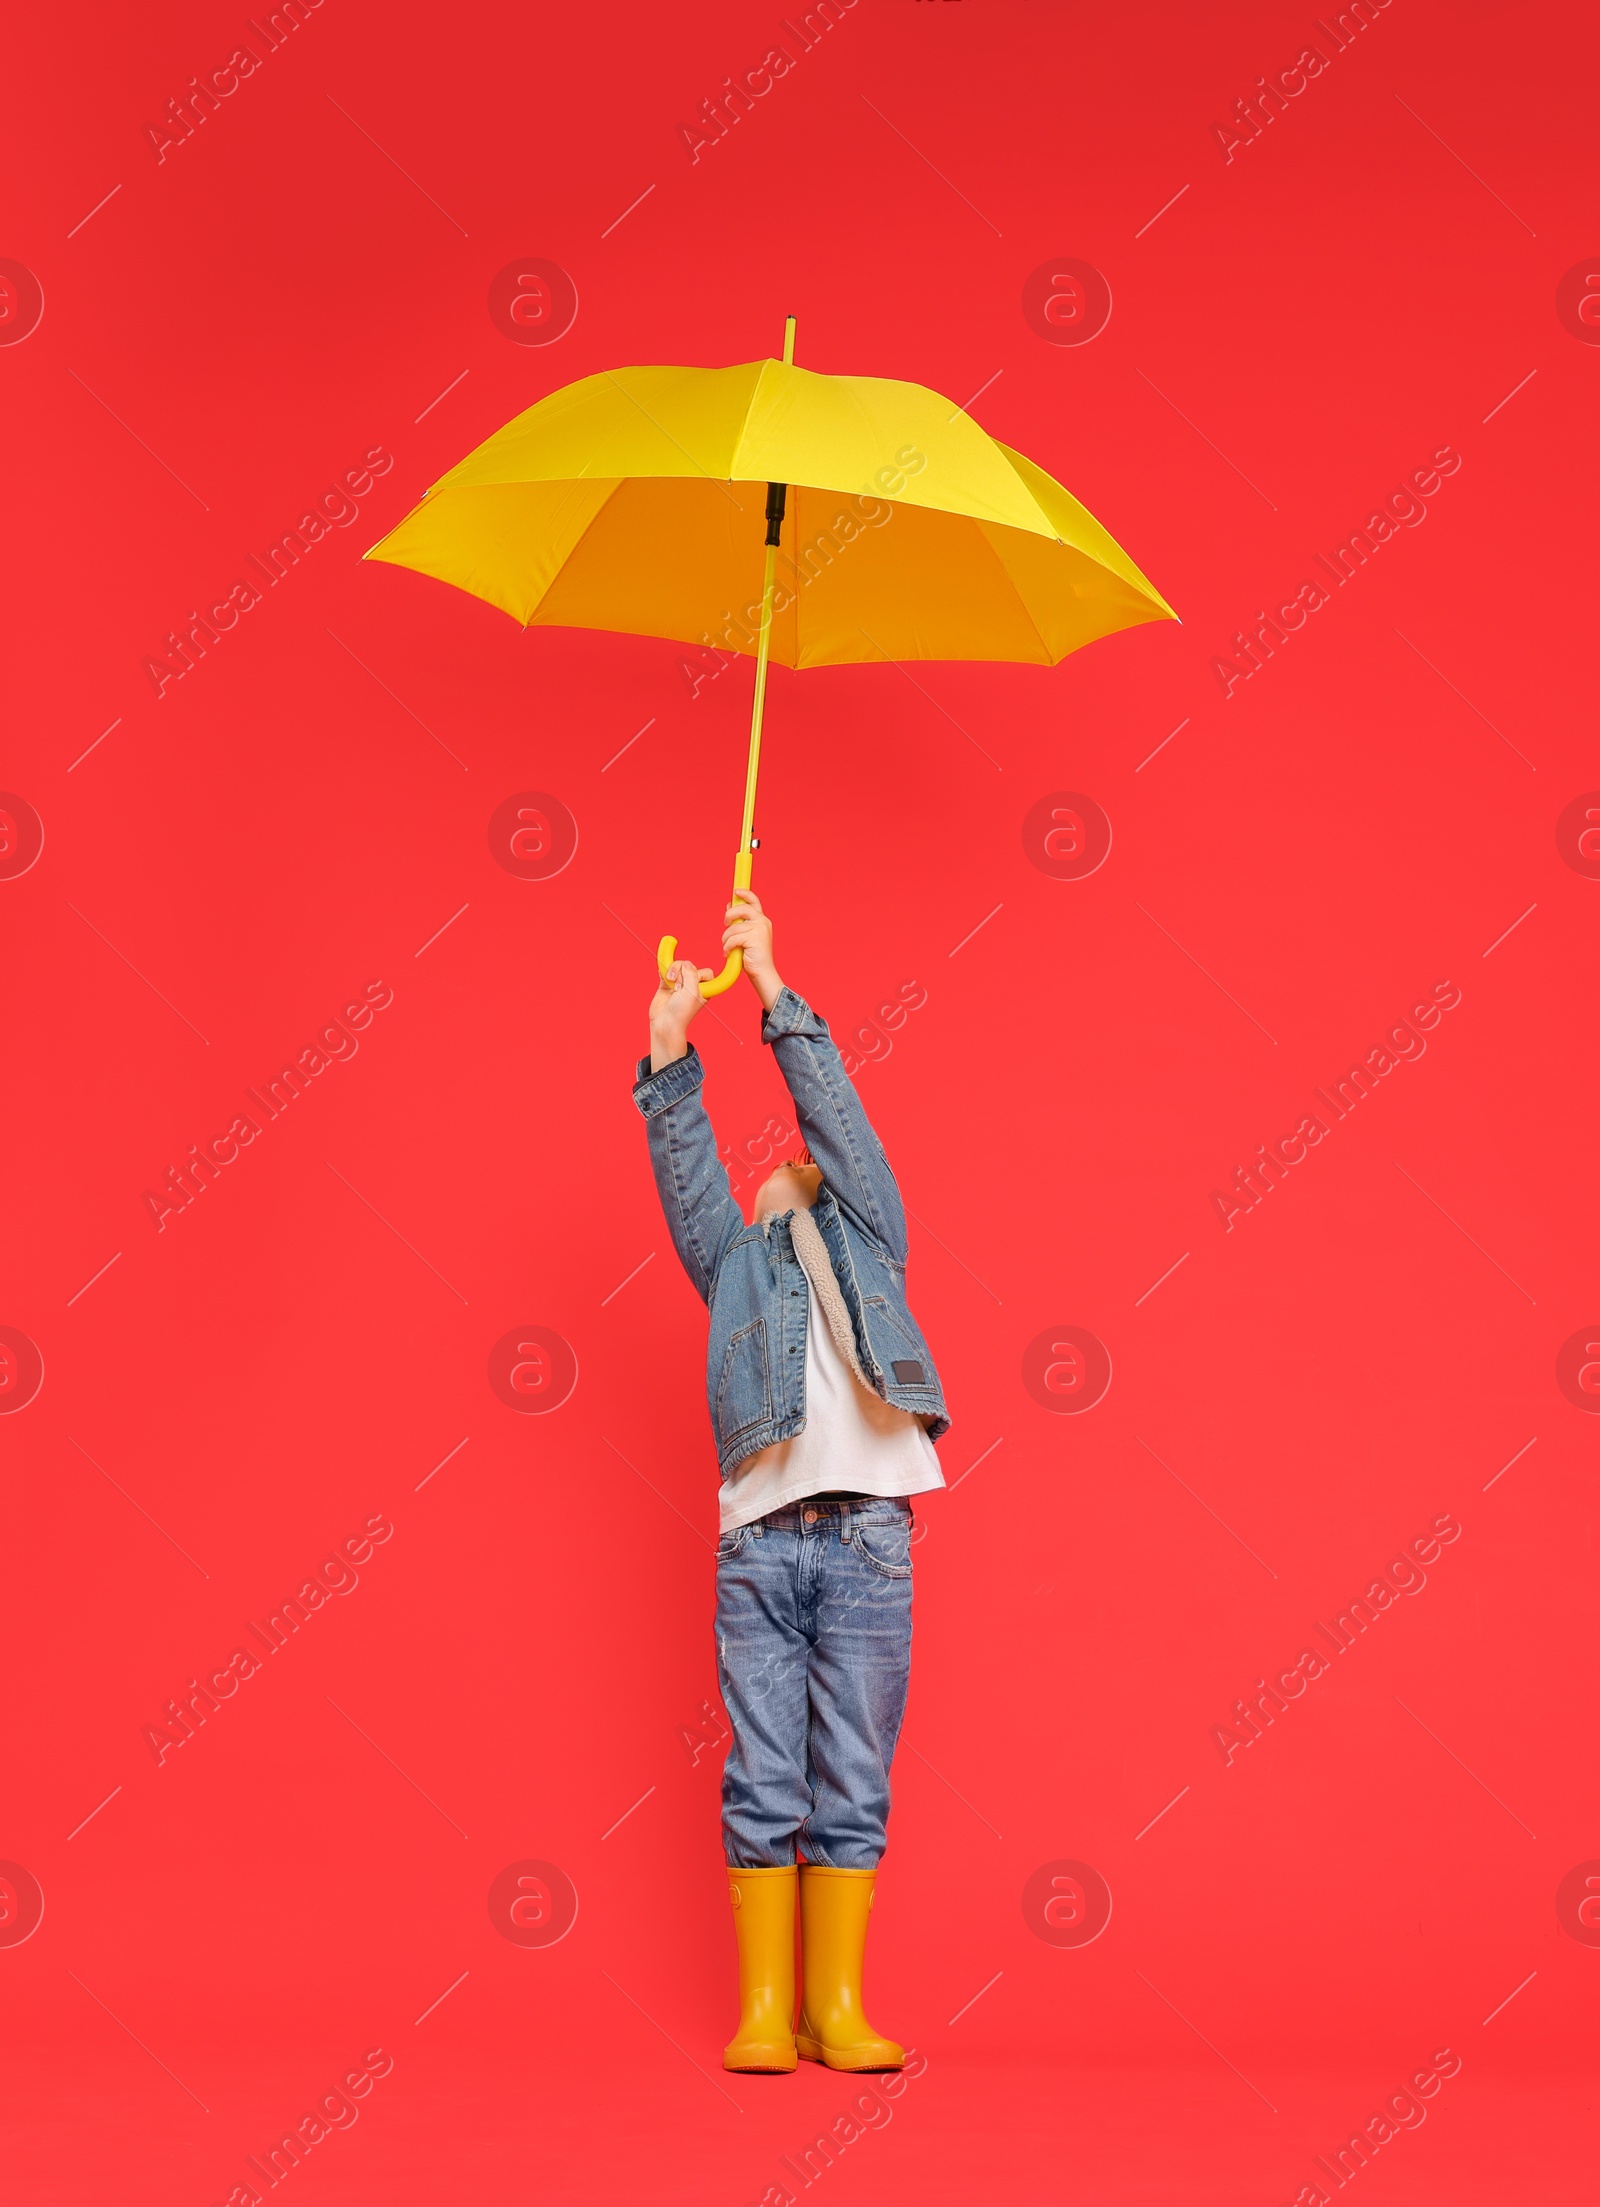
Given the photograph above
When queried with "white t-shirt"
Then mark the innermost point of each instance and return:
(853, 1442)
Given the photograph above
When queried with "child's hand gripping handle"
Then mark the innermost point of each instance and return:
(735, 964)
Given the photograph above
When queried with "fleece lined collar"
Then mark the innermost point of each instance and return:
(817, 1266)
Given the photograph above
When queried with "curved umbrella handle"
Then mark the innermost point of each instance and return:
(714, 987)
(730, 973)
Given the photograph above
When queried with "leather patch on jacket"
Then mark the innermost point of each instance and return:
(908, 1372)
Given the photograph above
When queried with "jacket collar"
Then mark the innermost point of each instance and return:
(817, 1266)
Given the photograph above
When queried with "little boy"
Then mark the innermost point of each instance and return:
(825, 1404)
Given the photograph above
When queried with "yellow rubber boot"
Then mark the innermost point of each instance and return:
(834, 1907)
(763, 1918)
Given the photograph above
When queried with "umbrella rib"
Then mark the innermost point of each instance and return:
(1130, 573)
(1027, 613)
(572, 548)
(577, 541)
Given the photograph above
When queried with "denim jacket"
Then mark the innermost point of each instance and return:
(751, 1278)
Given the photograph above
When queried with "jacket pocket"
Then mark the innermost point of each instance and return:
(898, 1345)
(744, 1387)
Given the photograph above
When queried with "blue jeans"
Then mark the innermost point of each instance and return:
(814, 1656)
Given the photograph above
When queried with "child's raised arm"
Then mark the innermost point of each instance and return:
(691, 1180)
(837, 1131)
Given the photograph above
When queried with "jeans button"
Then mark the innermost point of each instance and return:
(811, 1517)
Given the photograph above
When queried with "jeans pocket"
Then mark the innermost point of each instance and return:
(885, 1546)
(732, 1543)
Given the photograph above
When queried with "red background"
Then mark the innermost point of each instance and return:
(1365, 816)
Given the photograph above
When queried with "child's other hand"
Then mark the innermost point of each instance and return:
(750, 930)
(675, 1003)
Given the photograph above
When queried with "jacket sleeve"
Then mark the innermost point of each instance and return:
(837, 1131)
(691, 1179)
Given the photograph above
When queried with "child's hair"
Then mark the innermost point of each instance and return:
(802, 1156)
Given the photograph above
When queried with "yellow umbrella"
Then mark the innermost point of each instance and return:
(895, 529)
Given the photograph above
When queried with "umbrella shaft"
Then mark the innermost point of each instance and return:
(768, 587)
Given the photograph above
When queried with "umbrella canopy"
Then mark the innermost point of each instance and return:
(633, 500)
